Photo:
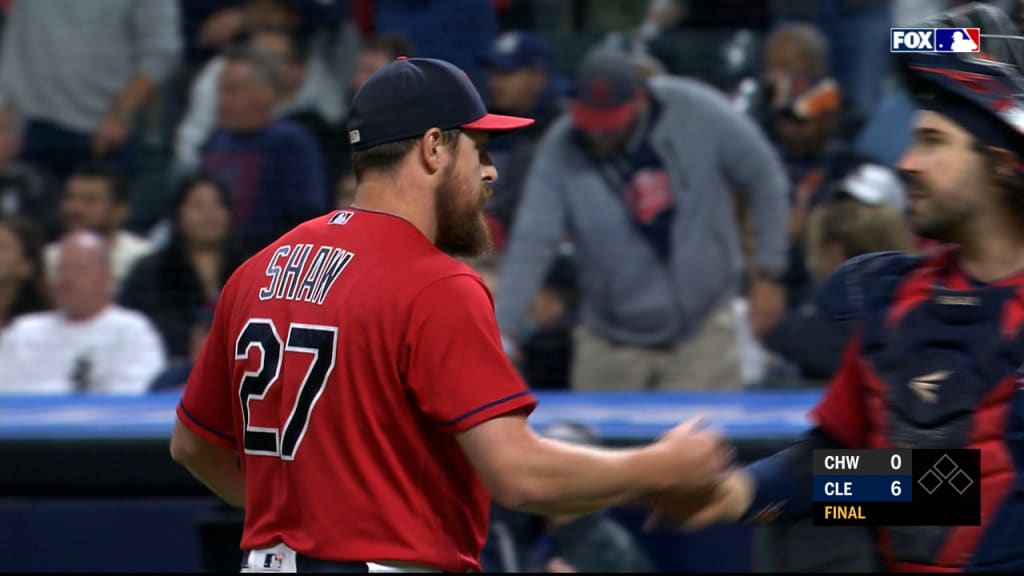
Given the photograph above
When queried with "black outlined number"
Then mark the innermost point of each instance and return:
(259, 333)
(321, 342)
(317, 340)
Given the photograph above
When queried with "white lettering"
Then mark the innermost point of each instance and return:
(846, 462)
(839, 488)
(914, 40)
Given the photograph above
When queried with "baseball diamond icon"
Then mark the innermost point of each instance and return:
(945, 471)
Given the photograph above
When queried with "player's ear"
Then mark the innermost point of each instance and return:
(1006, 169)
(1004, 162)
(432, 150)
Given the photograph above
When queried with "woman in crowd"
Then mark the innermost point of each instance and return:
(22, 287)
(188, 272)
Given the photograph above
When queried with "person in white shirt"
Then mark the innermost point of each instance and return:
(96, 198)
(88, 344)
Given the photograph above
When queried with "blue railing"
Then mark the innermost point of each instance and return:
(747, 415)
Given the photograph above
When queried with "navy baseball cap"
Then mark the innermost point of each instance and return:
(412, 95)
(519, 50)
(609, 90)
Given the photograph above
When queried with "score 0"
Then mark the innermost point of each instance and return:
(896, 463)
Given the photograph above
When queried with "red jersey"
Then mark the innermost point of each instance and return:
(342, 361)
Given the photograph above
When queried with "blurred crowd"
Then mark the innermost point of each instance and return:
(696, 169)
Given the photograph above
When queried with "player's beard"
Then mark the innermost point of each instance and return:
(932, 217)
(462, 230)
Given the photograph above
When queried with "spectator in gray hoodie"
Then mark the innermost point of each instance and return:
(640, 174)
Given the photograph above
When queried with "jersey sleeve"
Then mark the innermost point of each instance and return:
(456, 366)
(841, 413)
(206, 406)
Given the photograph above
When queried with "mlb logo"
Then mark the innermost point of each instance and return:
(935, 40)
(958, 39)
(341, 217)
(273, 561)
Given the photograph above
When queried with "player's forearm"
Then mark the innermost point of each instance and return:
(218, 467)
(224, 477)
(782, 481)
(566, 479)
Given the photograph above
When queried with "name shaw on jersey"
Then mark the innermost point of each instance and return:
(295, 276)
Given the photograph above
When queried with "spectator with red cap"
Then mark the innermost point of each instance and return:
(641, 172)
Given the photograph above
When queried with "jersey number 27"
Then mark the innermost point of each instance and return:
(319, 341)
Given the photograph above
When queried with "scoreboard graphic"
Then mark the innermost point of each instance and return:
(899, 487)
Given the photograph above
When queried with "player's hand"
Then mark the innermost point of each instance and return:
(727, 502)
(695, 456)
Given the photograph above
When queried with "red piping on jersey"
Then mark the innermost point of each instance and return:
(202, 425)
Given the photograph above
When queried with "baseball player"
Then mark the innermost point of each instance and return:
(353, 394)
(940, 336)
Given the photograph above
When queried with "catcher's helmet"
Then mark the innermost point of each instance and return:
(999, 23)
(993, 87)
(991, 83)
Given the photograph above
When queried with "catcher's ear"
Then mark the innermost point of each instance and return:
(1006, 164)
